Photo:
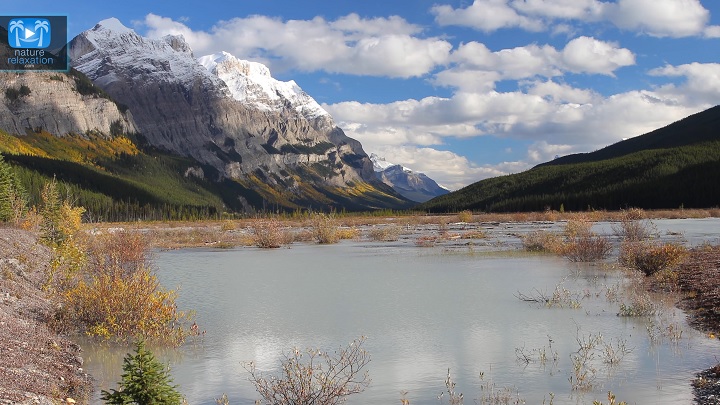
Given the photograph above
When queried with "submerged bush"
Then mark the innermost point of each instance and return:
(587, 248)
(315, 377)
(650, 258)
(269, 234)
(119, 297)
(324, 229)
(633, 227)
(543, 241)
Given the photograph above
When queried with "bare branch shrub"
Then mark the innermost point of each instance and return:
(269, 234)
(314, 377)
(324, 229)
(587, 248)
(633, 227)
(543, 241)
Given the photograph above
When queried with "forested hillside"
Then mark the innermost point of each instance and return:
(675, 166)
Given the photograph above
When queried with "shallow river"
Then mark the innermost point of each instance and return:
(423, 310)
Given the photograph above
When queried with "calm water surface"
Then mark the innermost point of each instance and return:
(423, 310)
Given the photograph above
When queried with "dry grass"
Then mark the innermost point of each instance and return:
(386, 233)
(465, 216)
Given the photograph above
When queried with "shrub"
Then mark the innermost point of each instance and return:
(465, 216)
(144, 381)
(119, 297)
(543, 241)
(632, 226)
(315, 377)
(268, 234)
(650, 258)
(324, 228)
(587, 248)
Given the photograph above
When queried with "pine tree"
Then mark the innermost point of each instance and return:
(145, 381)
(13, 198)
(6, 191)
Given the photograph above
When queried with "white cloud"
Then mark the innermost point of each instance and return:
(485, 15)
(701, 86)
(561, 9)
(660, 18)
(712, 31)
(475, 68)
(561, 93)
(350, 44)
(589, 55)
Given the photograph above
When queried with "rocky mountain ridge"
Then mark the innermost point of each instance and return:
(410, 184)
(230, 116)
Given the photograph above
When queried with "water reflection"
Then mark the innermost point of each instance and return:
(423, 311)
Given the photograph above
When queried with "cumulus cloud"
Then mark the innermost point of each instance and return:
(589, 55)
(351, 44)
(660, 18)
(476, 68)
(485, 15)
(701, 85)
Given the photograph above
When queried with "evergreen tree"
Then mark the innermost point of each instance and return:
(145, 381)
(13, 198)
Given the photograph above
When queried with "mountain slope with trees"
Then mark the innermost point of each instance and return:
(674, 166)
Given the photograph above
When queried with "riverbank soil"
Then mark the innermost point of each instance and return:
(37, 366)
(699, 279)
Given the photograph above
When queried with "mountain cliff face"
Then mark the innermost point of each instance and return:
(55, 103)
(232, 117)
(410, 184)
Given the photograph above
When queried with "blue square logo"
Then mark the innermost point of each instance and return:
(33, 33)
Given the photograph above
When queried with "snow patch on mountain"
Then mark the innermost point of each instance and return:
(380, 164)
(413, 185)
(168, 59)
(251, 83)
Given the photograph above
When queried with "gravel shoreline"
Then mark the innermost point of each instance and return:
(38, 366)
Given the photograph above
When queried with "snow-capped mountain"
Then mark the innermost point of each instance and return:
(412, 185)
(230, 114)
(252, 84)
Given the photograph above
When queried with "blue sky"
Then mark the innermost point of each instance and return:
(460, 90)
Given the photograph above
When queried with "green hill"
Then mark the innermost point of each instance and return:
(677, 165)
